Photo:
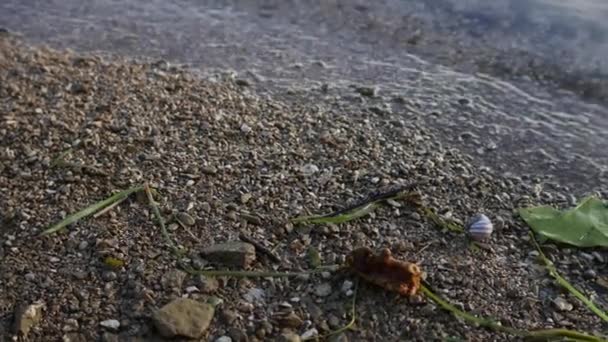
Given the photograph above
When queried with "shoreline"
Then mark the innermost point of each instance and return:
(218, 151)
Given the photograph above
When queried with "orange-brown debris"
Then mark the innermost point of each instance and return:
(385, 271)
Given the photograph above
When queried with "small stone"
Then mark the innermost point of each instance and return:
(26, 317)
(292, 320)
(240, 254)
(333, 321)
(237, 335)
(562, 305)
(83, 245)
(245, 128)
(54, 259)
(288, 337)
(245, 307)
(323, 290)
(183, 317)
(245, 198)
(254, 295)
(70, 325)
(185, 219)
(191, 289)
(587, 256)
(309, 169)
(223, 339)
(590, 274)
(346, 286)
(73, 337)
(110, 324)
(229, 316)
(598, 257)
(341, 337)
(309, 333)
(210, 170)
(30, 276)
(367, 91)
(109, 276)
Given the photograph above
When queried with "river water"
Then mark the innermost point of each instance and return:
(518, 84)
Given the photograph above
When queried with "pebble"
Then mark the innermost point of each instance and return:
(239, 254)
(83, 245)
(323, 289)
(562, 305)
(224, 339)
(30, 276)
(598, 257)
(109, 276)
(254, 295)
(185, 219)
(309, 333)
(26, 317)
(289, 336)
(111, 324)
(309, 169)
(183, 317)
(245, 128)
(347, 285)
(590, 274)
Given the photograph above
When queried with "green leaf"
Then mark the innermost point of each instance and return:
(585, 225)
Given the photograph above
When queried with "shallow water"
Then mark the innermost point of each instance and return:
(516, 126)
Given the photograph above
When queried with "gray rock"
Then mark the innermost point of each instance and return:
(562, 305)
(183, 317)
(238, 335)
(223, 339)
(26, 317)
(323, 290)
(291, 320)
(240, 254)
(590, 274)
(288, 337)
(367, 91)
(185, 219)
(109, 276)
(111, 324)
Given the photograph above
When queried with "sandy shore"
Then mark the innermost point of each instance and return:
(228, 162)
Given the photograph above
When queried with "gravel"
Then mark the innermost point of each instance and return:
(203, 145)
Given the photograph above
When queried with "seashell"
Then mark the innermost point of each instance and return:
(480, 227)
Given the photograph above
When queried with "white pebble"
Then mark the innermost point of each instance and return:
(223, 339)
(309, 169)
(245, 128)
(110, 324)
(347, 285)
(309, 333)
(191, 289)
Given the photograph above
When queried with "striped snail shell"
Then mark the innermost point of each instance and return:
(480, 227)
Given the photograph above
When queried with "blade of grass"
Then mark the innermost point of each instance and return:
(564, 283)
(359, 210)
(496, 326)
(160, 220)
(90, 210)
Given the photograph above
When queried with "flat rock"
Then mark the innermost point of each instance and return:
(183, 317)
(26, 317)
(239, 254)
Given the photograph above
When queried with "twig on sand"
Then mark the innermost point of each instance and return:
(260, 247)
